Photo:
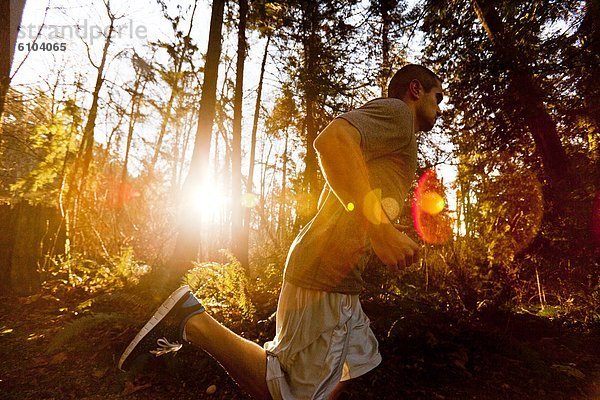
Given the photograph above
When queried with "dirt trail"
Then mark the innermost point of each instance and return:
(426, 356)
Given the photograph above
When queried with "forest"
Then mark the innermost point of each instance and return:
(150, 144)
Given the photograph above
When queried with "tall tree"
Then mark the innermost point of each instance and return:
(143, 75)
(237, 233)
(180, 52)
(385, 34)
(245, 241)
(188, 238)
(321, 33)
(79, 172)
(507, 75)
(11, 13)
(87, 141)
(528, 93)
(281, 121)
(492, 55)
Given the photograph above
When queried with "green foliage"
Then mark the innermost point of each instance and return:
(72, 337)
(284, 114)
(223, 287)
(93, 276)
(508, 230)
(55, 142)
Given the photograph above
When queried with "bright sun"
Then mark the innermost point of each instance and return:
(209, 201)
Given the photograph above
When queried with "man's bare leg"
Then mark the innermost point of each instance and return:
(244, 360)
(340, 389)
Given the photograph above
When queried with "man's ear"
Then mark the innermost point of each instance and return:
(414, 89)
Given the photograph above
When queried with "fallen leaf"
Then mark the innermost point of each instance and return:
(99, 373)
(58, 358)
(212, 389)
(571, 371)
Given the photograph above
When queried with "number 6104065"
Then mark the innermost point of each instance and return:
(42, 46)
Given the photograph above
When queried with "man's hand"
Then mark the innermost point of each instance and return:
(394, 248)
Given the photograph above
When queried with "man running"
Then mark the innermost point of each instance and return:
(368, 157)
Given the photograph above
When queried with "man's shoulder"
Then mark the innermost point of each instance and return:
(381, 118)
(384, 106)
(386, 102)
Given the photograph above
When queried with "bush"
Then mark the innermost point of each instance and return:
(223, 287)
(93, 276)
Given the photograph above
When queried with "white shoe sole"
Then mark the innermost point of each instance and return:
(160, 313)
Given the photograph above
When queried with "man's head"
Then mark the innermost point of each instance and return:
(421, 89)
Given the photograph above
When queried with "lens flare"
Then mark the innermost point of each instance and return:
(430, 216)
(431, 203)
(391, 207)
(120, 194)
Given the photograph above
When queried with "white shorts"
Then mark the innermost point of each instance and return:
(321, 339)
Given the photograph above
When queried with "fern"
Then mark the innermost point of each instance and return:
(72, 334)
(223, 286)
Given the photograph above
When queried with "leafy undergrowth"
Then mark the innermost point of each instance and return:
(66, 346)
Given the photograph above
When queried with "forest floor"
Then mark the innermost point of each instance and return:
(66, 346)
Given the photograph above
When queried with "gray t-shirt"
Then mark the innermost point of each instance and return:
(331, 251)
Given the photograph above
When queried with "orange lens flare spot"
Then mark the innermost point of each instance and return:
(120, 194)
(432, 223)
(432, 203)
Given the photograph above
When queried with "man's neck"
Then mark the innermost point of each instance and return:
(413, 109)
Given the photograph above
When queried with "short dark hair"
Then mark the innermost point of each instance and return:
(398, 85)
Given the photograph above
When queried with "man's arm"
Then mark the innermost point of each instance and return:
(345, 170)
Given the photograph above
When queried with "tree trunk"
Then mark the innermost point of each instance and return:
(81, 164)
(589, 87)
(245, 241)
(11, 12)
(237, 234)
(87, 142)
(166, 115)
(528, 95)
(186, 141)
(133, 114)
(385, 7)
(311, 24)
(188, 239)
(281, 223)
